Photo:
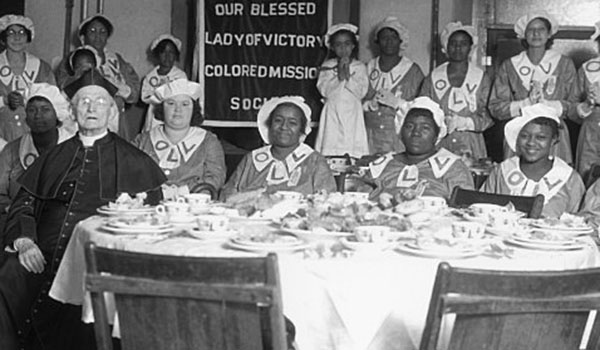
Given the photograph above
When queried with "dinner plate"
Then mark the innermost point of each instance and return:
(264, 248)
(114, 211)
(579, 230)
(540, 241)
(138, 226)
(315, 234)
(442, 252)
(290, 241)
(358, 246)
(541, 246)
(136, 231)
(222, 234)
(503, 231)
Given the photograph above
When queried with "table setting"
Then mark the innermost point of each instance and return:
(355, 273)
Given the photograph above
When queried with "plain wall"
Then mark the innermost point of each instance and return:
(137, 23)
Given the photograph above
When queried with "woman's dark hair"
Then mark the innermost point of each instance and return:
(197, 117)
(462, 32)
(548, 26)
(423, 112)
(103, 21)
(543, 121)
(376, 40)
(354, 53)
(303, 121)
(43, 99)
(80, 53)
(3, 34)
(161, 47)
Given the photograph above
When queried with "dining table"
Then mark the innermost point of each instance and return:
(337, 298)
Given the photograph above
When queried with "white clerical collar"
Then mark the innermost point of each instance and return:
(88, 141)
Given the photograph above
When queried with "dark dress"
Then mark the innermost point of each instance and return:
(63, 187)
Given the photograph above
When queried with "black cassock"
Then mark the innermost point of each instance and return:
(64, 186)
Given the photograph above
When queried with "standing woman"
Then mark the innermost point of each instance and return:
(19, 70)
(343, 83)
(191, 157)
(462, 90)
(95, 31)
(536, 75)
(165, 51)
(588, 81)
(393, 80)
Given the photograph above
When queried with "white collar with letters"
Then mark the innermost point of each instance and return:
(287, 170)
(171, 156)
(549, 185)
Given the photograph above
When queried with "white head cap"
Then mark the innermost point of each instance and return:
(177, 87)
(169, 37)
(394, 24)
(337, 27)
(8, 20)
(524, 21)
(269, 106)
(453, 27)
(438, 114)
(513, 127)
(56, 98)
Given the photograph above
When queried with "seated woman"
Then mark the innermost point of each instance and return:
(46, 109)
(534, 170)
(192, 158)
(286, 163)
(439, 170)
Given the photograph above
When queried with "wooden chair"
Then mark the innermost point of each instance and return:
(533, 206)
(175, 303)
(508, 310)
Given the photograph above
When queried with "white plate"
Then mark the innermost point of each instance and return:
(294, 241)
(114, 211)
(265, 248)
(580, 230)
(441, 253)
(502, 231)
(223, 234)
(551, 242)
(315, 234)
(366, 246)
(136, 231)
(539, 246)
(138, 226)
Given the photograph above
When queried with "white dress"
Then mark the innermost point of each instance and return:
(342, 125)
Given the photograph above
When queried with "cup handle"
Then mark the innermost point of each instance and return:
(180, 200)
(160, 209)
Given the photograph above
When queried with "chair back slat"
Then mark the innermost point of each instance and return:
(533, 206)
(175, 324)
(555, 331)
(132, 285)
(534, 310)
(171, 302)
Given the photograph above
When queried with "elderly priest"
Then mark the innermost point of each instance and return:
(64, 186)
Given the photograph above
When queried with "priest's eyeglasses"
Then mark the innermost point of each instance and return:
(87, 102)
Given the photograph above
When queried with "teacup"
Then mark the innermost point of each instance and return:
(467, 229)
(432, 202)
(373, 233)
(289, 195)
(178, 209)
(197, 199)
(487, 209)
(504, 219)
(212, 222)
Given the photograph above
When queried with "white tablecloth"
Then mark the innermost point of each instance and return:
(367, 301)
